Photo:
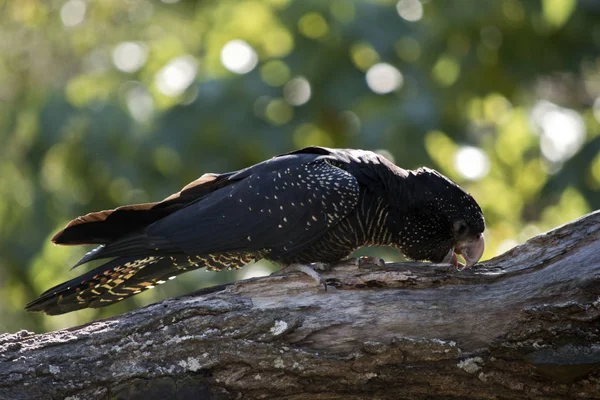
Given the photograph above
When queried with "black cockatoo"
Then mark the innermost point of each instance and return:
(312, 205)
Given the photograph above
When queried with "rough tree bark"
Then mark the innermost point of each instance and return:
(523, 325)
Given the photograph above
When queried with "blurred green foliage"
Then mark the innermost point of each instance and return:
(104, 103)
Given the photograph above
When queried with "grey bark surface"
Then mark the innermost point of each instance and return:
(524, 325)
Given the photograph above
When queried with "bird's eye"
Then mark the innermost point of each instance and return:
(460, 227)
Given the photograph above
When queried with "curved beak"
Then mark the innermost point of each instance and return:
(473, 250)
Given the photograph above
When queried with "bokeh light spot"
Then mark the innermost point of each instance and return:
(384, 78)
(311, 135)
(175, 77)
(129, 56)
(558, 12)
(87, 89)
(496, 108)
(313, 25)
(277, 43)
(410, 10)
(471, 163)
(297, 91)
(139, 102)
(275, 73)
(363, 55)
(238, 57)
(446, 71)
(562, 131)
(278, 112)
(72, 13)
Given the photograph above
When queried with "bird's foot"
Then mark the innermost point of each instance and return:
(308, 270)
(319, 266)
(364, 261)
(453, 260)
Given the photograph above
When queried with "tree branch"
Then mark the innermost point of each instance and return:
(523, 325)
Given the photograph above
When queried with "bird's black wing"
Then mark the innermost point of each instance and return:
(108, 225)
(279, 205)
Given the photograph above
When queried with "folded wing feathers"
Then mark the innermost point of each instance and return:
(124, 219)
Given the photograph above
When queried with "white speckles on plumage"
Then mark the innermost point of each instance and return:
(342, 199)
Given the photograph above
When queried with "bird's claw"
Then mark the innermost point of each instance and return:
(308, 270)
(451, 259)
(319, 266)
(370, 260)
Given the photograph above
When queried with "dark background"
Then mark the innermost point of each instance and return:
(104, 103)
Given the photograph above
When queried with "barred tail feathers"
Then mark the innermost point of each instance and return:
(124, 277)
(111, 282)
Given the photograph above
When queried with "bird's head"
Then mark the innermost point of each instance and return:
(443, 220)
